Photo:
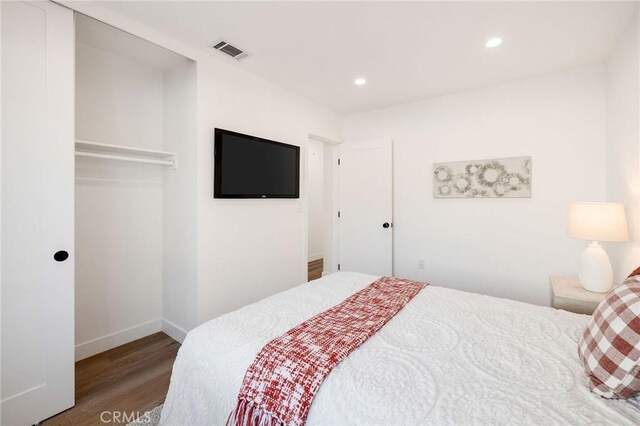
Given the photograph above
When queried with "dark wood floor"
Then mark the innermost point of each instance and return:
(315, 269)
(131, 379)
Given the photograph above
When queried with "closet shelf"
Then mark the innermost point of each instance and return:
(125, 153)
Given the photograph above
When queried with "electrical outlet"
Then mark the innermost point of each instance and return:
(421, 264)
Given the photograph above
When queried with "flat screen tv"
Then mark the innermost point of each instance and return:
(251, 167)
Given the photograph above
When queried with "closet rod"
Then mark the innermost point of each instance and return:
(123, 158)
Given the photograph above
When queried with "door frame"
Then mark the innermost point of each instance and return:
(330, 239)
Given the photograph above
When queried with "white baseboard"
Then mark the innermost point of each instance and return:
(315, 256)
(110, 341)
(174, 331)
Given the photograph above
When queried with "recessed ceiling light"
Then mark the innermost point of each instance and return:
(493, 42)
(360, 81)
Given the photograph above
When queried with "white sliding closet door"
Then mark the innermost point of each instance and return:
(37, 211)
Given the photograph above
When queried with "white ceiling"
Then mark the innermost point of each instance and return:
(406, 51)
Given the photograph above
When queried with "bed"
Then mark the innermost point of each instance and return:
(448, 357)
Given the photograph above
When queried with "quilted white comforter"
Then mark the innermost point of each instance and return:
(448, 357)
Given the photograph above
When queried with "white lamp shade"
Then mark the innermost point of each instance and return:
(598, 222)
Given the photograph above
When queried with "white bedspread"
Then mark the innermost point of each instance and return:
(448, 357)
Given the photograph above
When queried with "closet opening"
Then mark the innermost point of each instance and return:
(135, 131)
(135, 210)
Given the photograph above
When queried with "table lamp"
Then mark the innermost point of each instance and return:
(597, 222)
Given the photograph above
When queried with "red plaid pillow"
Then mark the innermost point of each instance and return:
(610, 346)
(635, 272)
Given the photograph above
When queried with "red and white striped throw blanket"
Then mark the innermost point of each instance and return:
(280, 384)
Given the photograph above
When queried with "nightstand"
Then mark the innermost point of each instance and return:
(567, 294)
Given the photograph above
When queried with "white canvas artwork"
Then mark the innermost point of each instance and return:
(498, 178)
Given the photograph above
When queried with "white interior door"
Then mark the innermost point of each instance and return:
(365, 225)
(37, 211)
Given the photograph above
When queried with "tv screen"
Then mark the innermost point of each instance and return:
(251, 167)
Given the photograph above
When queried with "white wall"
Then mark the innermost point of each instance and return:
(179, 291)
(120, 100)
(502, 247)
(119, 221)
(246, 249)
(315, 199)
(623, 144)
(1, 213)
(249, 249)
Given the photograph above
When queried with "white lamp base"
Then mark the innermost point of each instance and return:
(595, 269)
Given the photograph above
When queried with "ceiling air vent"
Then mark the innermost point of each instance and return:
(230, 50)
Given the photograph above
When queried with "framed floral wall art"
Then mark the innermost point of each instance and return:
(498, 178)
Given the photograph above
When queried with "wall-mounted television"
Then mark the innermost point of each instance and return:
(251, 167)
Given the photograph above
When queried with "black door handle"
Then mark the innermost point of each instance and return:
(61, 256)
(385, 225)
